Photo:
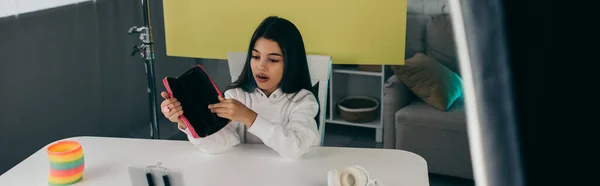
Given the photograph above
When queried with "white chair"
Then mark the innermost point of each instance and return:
(319, 67)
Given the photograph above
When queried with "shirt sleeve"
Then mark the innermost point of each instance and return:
(294, 139)
(219, 141)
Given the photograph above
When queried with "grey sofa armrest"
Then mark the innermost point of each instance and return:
(395, 96)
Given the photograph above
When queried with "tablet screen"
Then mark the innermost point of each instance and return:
(195, 90)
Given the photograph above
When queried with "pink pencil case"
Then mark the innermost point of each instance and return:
(195, 90)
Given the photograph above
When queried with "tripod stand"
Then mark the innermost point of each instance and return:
(146, 50)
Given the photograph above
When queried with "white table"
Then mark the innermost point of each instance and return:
(107, 161)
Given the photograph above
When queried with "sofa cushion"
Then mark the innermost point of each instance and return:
(440, 41)
(415, 34)
(429, 80)
(419, 113)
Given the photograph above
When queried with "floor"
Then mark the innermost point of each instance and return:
(336, 135)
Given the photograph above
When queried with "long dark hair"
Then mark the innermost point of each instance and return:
(296, 75)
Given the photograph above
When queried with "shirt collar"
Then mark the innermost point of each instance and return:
(276, 94)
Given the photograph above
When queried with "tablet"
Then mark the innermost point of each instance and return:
(195, 90)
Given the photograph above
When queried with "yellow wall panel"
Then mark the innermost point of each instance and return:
(351, 31)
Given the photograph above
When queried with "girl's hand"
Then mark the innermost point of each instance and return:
(234, 110)
(171, 108)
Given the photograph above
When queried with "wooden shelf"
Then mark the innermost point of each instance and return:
(348, 80)
(354, 70)
(338, 120)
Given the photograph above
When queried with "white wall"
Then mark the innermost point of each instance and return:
(15, 7)
(427, 7)
(8, 7)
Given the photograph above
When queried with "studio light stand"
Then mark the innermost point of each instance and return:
(146, 50)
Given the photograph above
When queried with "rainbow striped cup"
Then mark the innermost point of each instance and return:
(66, 162)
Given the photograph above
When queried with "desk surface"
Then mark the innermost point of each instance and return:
(107, 161)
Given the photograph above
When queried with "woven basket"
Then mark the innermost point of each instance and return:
(358, 109)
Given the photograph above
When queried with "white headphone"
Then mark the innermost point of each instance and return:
(351, 176)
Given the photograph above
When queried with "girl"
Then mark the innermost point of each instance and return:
(270, 103)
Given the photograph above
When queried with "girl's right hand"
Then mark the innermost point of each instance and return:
(171, 108)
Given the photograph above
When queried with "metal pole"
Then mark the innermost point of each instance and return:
(146, 50)
(154, 133)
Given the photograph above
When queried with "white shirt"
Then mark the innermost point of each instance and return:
(284, 122)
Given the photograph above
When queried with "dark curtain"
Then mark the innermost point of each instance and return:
(67, 72)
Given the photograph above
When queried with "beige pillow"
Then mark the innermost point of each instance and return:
(431, 81)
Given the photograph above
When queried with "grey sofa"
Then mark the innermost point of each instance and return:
(412, 125)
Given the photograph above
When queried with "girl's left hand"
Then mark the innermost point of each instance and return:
(234, 110)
